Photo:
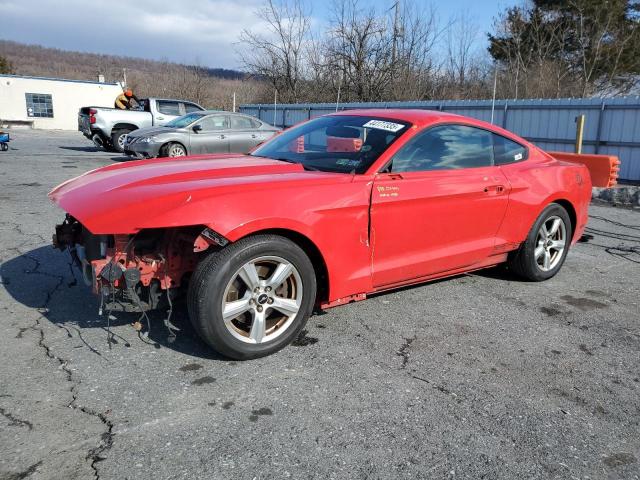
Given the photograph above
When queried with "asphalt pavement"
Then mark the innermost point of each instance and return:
(481, 376)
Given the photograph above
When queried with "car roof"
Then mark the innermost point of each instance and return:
(211, 112)
(422, 118)
(415, 116)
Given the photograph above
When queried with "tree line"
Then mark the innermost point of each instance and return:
(541, 48)
(404, 51)
(212, 88)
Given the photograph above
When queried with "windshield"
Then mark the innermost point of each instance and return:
(184, 121)
(337, 143)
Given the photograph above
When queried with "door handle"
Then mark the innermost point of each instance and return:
(254, 136)
(494, 188)
(160, 118)
(394, 176)
(222, 136)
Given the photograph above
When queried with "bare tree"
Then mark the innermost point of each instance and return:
(359, 51)
(279, 56)
(415, 66)
(191, 82)
(599, 57)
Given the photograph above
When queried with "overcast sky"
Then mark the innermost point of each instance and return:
(204, 32)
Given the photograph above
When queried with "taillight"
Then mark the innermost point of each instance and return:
(92, 112)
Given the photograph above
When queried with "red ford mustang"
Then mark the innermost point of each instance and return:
(323, 214)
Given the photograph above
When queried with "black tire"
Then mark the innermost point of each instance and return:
(213, 274)
(116, 139)
(523, 262)
(109, 148)
(4, 147)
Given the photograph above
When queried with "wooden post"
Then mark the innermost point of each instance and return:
(579, 132)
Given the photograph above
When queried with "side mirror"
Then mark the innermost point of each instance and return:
(197, 128)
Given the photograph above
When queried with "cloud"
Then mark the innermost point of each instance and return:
(205, 32)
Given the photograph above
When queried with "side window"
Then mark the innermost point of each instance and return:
(241, 123)
(213, 123)
(445, 148)
(191, 107)
(168, 108)
(507, 151)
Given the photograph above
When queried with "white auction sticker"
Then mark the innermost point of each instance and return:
(382, 125)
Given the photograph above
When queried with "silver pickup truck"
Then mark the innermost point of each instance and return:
(107, 127)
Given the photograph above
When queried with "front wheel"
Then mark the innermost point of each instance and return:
(174, 150)
(543, 253)
(253, 297)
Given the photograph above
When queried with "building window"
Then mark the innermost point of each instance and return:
(39, 105)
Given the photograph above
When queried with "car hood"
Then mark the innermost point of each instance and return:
(127, 197)
(151, 131)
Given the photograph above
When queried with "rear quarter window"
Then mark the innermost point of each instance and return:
(241, 123)
(507, 151)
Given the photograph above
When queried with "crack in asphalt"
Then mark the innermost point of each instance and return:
(440, 388)
(22, 475)
(403, 351)
(95, 454)
(15, 421)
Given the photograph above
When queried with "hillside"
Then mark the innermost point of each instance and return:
(211, 87)
(52, 62)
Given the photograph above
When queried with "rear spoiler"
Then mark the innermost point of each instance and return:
(604, 169)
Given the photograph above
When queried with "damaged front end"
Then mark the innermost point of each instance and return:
(144, 270)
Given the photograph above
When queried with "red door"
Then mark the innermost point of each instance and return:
(427, 222)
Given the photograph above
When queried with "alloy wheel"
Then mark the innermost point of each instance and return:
(177, 151)
(550, 243)
(262, 299)
(121, 141)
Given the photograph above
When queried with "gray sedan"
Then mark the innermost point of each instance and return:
(199, 132)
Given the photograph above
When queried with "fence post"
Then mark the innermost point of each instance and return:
(579, 132)
(504, 114)
(603, 105)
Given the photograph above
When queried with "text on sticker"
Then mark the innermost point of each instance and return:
(382, 125)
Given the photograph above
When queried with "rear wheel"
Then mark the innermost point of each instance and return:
(253, 297)
(117, 139)
(543, 253)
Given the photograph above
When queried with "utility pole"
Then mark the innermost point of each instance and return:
(394, 44)
(124, 76)
(234, 102)
(338, 97)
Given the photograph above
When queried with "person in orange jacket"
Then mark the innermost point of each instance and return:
(123, 101)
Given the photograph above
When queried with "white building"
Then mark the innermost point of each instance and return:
(51, 103)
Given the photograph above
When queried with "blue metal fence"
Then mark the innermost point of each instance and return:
(612, 125)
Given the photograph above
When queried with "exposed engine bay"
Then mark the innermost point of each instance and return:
(145, 270)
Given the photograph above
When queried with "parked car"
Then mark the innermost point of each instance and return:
(107, 127)
(199, 132)
(324, 214)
